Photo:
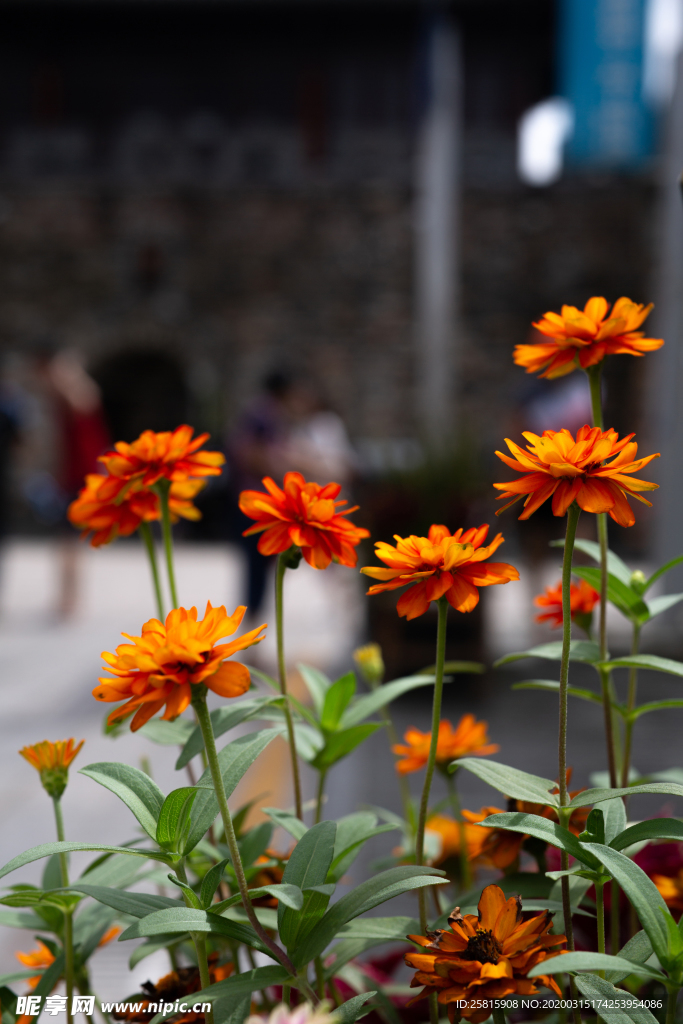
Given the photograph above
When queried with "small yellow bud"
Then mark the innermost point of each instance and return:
(370, 663)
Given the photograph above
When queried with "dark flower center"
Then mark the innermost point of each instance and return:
(483, 947)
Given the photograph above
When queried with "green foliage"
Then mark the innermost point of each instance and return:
(223, 719)
(139, 793)
(307, 866)
(510, 781)
(580, 650)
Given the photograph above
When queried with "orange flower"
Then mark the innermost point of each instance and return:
(170, 455)
(484, 957)
(161, 666)
(40, 958)
(304, 515)
(555, 464)
(448, 829)
(440, 564)
(52, 760)
(468, 737)
(111, 508)
(585, 338)
(671, 890)
(582, 597)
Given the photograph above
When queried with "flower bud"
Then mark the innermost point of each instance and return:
(638, 581)
(52, 761)
(370, 664)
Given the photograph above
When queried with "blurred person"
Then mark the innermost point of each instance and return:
(318, 444)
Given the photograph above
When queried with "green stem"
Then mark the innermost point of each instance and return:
(148, 540)
(68, 920)
(614, 917)
(198, 938)
(442, 606)
(433, 1005)
(498, 1017)
(631, 703)
(594, 374)
(163, 487)
(320, 976)
(322, 775)
(199, 704)
(600, 914)
(465, 874)
(280, 570)
(671, 1005)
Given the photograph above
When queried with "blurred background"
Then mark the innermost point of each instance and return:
(317, 230)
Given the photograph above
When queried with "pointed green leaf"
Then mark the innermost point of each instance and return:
(317, 683)
(353, 1009)
(191, 897)
(511, 781)
(186, 919)
(554, 687)
(580, 650)
(174, 818)
(657, 605)
(340, 744)
(614, 814)
(47, 849)
(590, 548)
(653, 661)
(655, 705)
(620, 594)
(19, 919)
(223, 719)
(136, 904)
(656, 828)
(593, 962)
(542, 828)
(370, 703)
(337, 700)
(638, 948)
(307, 866)
(255, 842)
(663, 569)
(288, 895)
(139, 793)
(168, 734)
(240, 984)
(386, 929)
(615, 1006)
(152, 946)
(596, 796)
(210, 882)
(352, 832)
(289, 822)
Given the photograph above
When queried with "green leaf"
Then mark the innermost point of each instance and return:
(307, 866)
(147, 948)
(642, 893)
(288, 895)
(286, 820)
(656, 828)
(554, 687)
(340, 744)
(186, 919)
(139, 793)
(663, 569)
(511, 781)
(337, 700)
(135, 904)
(17, 919)
(352, 832)
(614, 1008)
(590, 548)
(385, 929)
(593, 962)
(258, 673)
(653, 661)
(47, 849)
(169, 734)
(620, 594)
(370, 703)
(222, 720)
(241, 984)
(657, 605)
(255, 842)
(638, 948)
(580, 650)
(174, 818)
(614, 814)
(655, 705)
(191, 897)
(364, 897)
(234, 760)
(596, 796)
(542, 828)
(317, 683)
(353, 1009)
(210, 882)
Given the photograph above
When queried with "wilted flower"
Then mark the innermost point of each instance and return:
(555, 464)
(169, 455)
(468, 737)
(582, 597)
(52, 760)
(582, 339)
(161, 666)
(440, 565)
(485, 957)
(303, 515)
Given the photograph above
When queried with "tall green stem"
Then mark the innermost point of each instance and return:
(68, 919)
(631, 703)
(498, 1017)
(600, 914)
(148, 540)
(465, 874)
(163, 487)
(442, 606)
(282, 673)
(671, 1005)
(320, 797)
(199, 704)
(199, 940)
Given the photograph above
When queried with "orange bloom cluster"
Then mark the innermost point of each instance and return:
(570, 470)
(582, 598)
(584, 338)
(161, 666)
(116, 504)
(303, 515)
(484, 957)
(109, 511)
(468, 737)
(671, 890)
(442, 564)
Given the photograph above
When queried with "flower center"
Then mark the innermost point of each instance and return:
(484, 947)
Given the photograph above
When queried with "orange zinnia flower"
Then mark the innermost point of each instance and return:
(671, 890)
(582, 597)
(441, 564)
(555, 464)
(170, 455)
(52, 760)
(40, 958)
(110, 508)
(468, 737)
(585, 338)
(484, 957)
(448, 829)
(161, 666)
(303, 515)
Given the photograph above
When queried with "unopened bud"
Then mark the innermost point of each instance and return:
(370, 663)
(638, 580)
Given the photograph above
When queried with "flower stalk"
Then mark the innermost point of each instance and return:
(465, 873)
(148, 541)
(68, 919)
(162, 488)
(198, 939)
(281, 568)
